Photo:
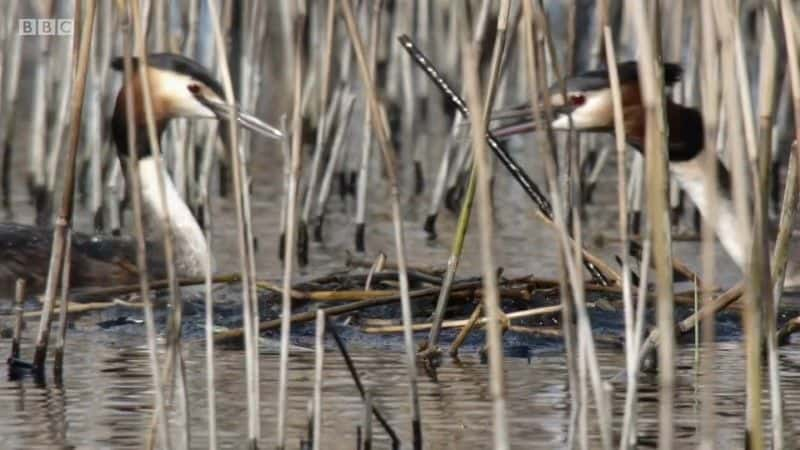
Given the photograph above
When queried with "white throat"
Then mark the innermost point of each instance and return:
(693, 178)
(189, 244)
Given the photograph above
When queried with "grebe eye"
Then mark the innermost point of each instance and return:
(194, 88)
(577, 100)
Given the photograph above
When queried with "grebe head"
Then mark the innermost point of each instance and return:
(179, 87)
(587, 105)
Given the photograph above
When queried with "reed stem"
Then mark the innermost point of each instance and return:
(19, 299)
(160, 414)
(64, 220)
(381, 128)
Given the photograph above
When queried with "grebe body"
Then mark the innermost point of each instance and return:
(179, 87)
(588, 107)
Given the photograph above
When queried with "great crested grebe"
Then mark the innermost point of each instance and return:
(179, 87)
(588, 106)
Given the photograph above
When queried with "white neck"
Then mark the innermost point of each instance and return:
(694, 179)
(189, 244)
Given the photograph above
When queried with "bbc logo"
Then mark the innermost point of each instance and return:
(46, 27)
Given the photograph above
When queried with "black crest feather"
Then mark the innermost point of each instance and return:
(178, 64)
(628, 73)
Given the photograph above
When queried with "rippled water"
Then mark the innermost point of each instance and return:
(105, 399)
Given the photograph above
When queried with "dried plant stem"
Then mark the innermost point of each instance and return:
(465, 330)
(319, 358)
(291, 220)
(466, 207)
(64, 220)
(658, 211)
(211, 392)
(473, 321)
(38, 129)
(326, 114)
(19, 298)
(159, 415)
(628, 436)
(232, 336)
(756, 309)
(622, 189)
(174, 323)
(744, 154)
(334, 161)
(245, 242)
(446, 166)
(63, 305)
(545, 141)
(8, 99)
(387, 148)
(710, 108)
(491, 298)
(367, 138)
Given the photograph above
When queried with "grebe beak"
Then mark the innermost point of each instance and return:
(519, 119)
(223, 111)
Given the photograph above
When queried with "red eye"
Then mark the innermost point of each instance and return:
(577, 100)
(194, 89)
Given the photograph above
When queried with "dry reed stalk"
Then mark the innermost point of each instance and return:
(159, 415)
(174, 323)
(465, 330)
(243, 156)
(780, 255)
(622, 188)
(62, 98)
(326, 111)
(63, 305)
(474, 320)
(245, 242)
(8, 100)
(710, 109)
(19, 298)
(576, 380)
(790, 24)
(404, 24)
(286, 160)
(779, 260)
(656, 159)
(291, 218)
(319, 358)
(367, 138)
(545, 141)
(64, 220)
(628, 435)
(437, 195)
(739, 116)
(38, 129)
(380, 127)
(209, 347)
(757, 310)
(376, 267)
(334, 161)
(466, 207)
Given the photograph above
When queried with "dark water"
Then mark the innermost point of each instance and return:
(105, 400)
